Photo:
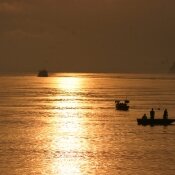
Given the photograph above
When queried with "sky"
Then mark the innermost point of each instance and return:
(87, 35)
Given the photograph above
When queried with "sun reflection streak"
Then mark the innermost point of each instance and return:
(66, 142)
(69, 83)
(67, 130)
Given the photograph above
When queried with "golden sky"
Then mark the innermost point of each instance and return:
(87, 35)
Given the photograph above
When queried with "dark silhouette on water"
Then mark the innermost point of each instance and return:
(122, 105)
(144, 117)
(43, 73)
(152, 121)
(152, 113)
(165, 114)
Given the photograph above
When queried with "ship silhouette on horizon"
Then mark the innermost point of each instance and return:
(43, 73)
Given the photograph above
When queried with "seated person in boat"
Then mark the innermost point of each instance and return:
(144, 117)
(152, 113)
(165, 114)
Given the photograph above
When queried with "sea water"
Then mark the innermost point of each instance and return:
(67, 124)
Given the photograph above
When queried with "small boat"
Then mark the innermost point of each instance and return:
(153, 122)
(43, 73)
(122, 105)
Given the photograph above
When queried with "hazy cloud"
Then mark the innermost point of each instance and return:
(88, 35)
(14, 7)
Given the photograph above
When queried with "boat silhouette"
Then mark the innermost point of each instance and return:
(43, 73)
(153, 122)
(122, 105)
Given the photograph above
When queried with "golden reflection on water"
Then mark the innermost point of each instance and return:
(68, 130)
(69, 83)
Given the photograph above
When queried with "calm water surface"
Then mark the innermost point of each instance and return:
(67, 124)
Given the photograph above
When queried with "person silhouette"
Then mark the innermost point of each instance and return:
(165, 114)
(144, 117)
(152, 113)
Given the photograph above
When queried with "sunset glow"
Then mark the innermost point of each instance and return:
(80, 80)
(68, 128)
(69, 83)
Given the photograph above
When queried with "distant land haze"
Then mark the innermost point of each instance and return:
(172, 69)
(87, 36)
(78, 66)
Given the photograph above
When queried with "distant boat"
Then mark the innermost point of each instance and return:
(153, 122)
(43, 73)
(122, 105)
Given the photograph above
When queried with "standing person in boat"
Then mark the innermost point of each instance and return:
(152, 113)
(165, 114)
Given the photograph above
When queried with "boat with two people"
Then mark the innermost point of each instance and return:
(122, 104)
